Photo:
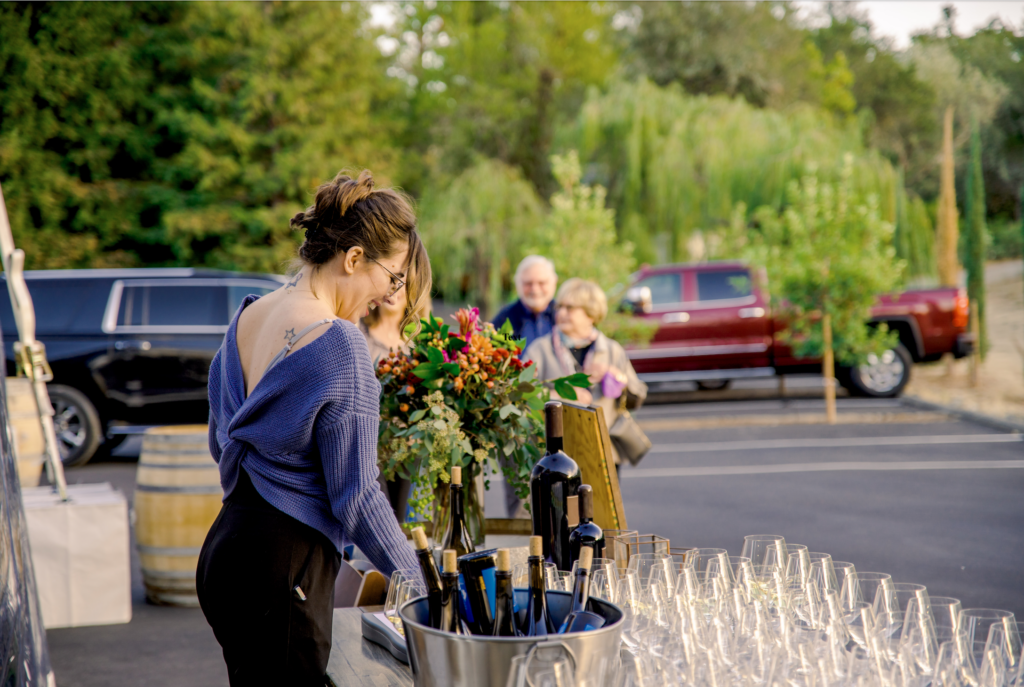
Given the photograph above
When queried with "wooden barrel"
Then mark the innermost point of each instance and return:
(177, 498)
(26, 430)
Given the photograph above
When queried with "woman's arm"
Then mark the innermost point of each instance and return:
(349, 452)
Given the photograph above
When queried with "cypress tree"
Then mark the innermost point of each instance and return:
(975, 211)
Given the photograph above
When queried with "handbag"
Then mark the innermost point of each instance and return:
(625, 433)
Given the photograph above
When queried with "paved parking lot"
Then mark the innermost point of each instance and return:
(924, 497)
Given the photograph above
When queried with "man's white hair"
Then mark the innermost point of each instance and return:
(528, 262)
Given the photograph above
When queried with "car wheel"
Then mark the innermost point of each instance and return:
(882, 376)
(77, 424)
(713, 385)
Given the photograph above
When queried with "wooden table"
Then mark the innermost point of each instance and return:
(358, 662)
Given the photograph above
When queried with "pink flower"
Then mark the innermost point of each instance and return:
(446, 358)
(469, 322)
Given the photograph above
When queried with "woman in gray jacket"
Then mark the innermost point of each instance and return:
(576, 345)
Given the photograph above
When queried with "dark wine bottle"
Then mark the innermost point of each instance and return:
(456, 536)
(475, 569)
(554, 479)
(538, 622)
(586, 533)
(430, 575)
(579, 618)
(451, 617)
(504, 610)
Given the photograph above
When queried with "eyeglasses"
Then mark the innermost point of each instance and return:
(396, 283)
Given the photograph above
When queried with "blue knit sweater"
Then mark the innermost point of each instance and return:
(307, 436)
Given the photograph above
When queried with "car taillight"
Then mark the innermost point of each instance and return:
(961, 309)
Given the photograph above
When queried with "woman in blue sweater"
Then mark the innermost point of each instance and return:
(294, 409)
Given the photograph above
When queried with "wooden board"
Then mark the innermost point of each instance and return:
(586, 440)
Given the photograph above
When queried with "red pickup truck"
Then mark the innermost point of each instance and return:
(716, 324)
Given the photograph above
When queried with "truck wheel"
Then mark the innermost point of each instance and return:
(77, 424)
(882, 376)
(713, 384)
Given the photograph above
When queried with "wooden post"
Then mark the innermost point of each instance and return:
(976, 355)
(782, 386)
(829, 369)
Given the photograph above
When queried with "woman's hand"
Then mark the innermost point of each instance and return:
(584, 396)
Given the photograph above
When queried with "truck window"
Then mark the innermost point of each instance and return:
(62, 306)
(665, 288)
(716, 286)
(173, 306)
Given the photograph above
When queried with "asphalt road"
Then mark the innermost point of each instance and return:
(933, 502)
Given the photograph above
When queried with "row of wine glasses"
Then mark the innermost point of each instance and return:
(780, 615)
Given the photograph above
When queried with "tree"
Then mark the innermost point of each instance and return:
(829, 255)
(774, 64)
(578, 234)
(477, 230)
(948, 231)
(976, 234)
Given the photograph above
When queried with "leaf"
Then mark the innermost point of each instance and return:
(434, 355)
(508, 409)
(526, 387)
(565, 389)
(427, 371)
(508, 448)
(436, 410)
(434, 384)
(506, 328)
(440, 425)
(417, 415)
(528, 374)
(409, 330)
(451, 368)
(444, 332)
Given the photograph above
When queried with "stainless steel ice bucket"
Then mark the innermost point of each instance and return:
(441, 659)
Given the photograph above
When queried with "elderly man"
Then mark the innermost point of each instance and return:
(533, 315)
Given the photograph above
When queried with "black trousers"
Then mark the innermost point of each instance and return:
(253, 559)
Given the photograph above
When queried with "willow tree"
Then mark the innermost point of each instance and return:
(829, 255)
(477, 230)
(674, 163)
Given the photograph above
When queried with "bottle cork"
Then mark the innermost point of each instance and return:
(419, 538)
(553, 418)
(572, 510)
(536, 546)
(456, 475)
(449, 561)
(504, 561)
(586, 558)
(586, 495)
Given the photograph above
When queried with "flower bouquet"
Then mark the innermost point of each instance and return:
(457, 399)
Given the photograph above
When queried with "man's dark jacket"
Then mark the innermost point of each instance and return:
(527, 324)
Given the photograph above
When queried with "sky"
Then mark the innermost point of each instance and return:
(899, 19)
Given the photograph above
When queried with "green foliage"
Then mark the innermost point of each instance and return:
(578, 234)
(976, 235)
(694, 44)
(914, 236)
(628, 329)
(1005, 239)
(675, 164)
(477, 231)
(181, 134)
(831, 252)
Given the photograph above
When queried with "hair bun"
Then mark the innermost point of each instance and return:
(352, 191)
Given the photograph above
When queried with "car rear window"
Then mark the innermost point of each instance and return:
(62, 306)
(237, 294)
(173, 305)
(665, 288)
(716, 286)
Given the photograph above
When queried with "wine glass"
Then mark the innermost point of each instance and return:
(863, 586)
(602, 585)
(842, 570)
(644, 563)
(764, 549)
(1004, 645)
(945, 611)
(976, 623)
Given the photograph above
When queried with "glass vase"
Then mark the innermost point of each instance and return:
(473, 494)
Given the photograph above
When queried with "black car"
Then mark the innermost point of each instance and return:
(129, 347)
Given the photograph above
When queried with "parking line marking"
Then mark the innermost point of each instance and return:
(715, 471)
(835, 442)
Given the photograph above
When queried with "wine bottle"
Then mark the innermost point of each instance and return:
(586, 533)
(430, 575)
(538, 622)
(504, 610)
(477, 581)
(579, 618)
(456, 536)
(554, 479)
(451, 618)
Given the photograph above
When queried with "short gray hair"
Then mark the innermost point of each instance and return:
(528, 262)
(583, 293)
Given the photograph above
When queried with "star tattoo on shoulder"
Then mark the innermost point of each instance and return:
(289, 333)
(293, 283)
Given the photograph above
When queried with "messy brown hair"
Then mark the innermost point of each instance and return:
(349, 212)
(417, 286)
